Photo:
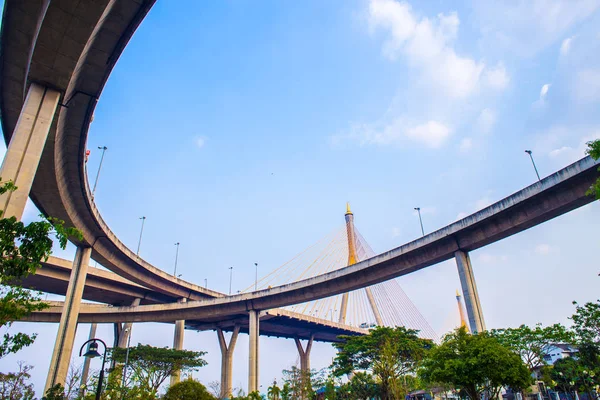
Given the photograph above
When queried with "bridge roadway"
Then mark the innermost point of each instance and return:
(554, 195)
(109, 288)
(62, 52)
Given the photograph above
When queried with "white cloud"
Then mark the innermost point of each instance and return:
(587, 85)
(395, 232)
(559, 152)
(432, 134)
(428, 46)
(465, 145)
(486, 120)
(497, 78)
(526, 27)
(566, 46)
(200, 141)
(543, 249)
(544, 91)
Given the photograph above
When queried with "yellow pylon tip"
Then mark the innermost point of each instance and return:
(457, 293)
(348, 208)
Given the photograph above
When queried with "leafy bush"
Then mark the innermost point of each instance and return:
(188, 390)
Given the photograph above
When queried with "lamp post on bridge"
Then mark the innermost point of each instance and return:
(256, 277)
(533, 162)
(176, 256)
(103, 148)
(230, 278)
(418, 209)
(141, 232)
(92, 352)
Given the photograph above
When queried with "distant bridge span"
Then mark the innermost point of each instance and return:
(557, 194)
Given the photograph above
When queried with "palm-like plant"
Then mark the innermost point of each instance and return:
(273, 392)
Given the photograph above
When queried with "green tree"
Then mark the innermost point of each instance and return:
(586, 323)
(23, 248)
(475, 364)
(362, 386)
(274, 391)
(532, 343)
(188, 389)
(15, 385)
(388, 353)
(151, 366)
(594, 151)
(286, 391)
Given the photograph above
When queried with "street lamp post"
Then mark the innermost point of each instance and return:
(256, 277)
(533, 162)
(92, 352)
(205, 283)
(418, 209)
(176, 256)
(141, 232)
(103, 148)
(230, 278)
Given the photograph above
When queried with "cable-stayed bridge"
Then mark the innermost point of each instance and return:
(383, 304)
(51, 80)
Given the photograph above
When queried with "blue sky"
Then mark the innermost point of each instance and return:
(240, 129)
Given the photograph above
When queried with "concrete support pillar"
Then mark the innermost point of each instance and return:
(25, 148)
(227, 361)
(253, 361)
(126, 331)
(304, 354)
(470, 295)
(178, 343)
(373, 305)
(59, 364)
(86, 364)
(304, 364)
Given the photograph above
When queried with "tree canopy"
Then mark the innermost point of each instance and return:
(387, 353)
(532, 343)
(23, 248)
(188, 389)
(594, 151)
(475, 364)
(151, 366)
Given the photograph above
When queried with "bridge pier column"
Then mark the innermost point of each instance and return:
(126, 330)
(253, 361)
(305, 356)
(178, 343)
(86, 363)
(25, 148)
(227, 360)
(469, 288)
(63, 347)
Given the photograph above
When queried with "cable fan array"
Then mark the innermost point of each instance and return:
(331, 253)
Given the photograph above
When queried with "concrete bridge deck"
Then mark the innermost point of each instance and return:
(109, 288)
(554, 195)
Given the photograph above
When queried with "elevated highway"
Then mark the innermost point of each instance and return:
(56, 57)
(557, 194)
(109, 288)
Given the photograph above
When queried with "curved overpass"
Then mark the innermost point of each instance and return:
(554, 195)
(109, 288)
(72, 46)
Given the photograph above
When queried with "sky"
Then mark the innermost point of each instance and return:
(240, 129)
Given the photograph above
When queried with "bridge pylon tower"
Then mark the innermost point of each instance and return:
(353, 259)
